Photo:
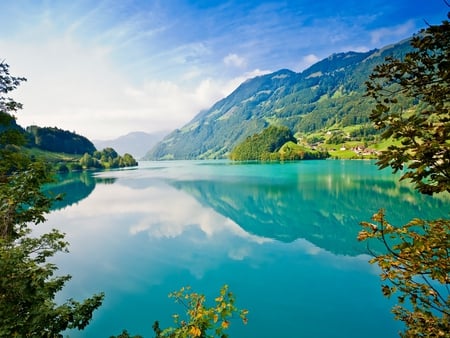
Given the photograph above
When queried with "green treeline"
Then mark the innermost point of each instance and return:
(274, 143)
(58, 140)
(291, 151)
(55, 140)
(107, 158)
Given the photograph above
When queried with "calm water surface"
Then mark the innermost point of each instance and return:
(282, 236)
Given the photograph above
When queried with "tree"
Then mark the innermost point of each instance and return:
(108, 158)
(202, 321)
(127, 161)
(11, 137)
(27, 282)
(416, 264)
(423, 131)
(58, 140)
(260, 146)
(418, 268)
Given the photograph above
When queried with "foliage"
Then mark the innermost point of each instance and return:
(7, 84)
(60, 162)
(291, 151)
(106, 159)
(28, 288)
(337, 138)
(417, 262)
(27, 282)
(11, 137)
(424, 131)
(201, 320)
(418, 268)
(126, 334)
(260, 146)
(44, 143)
(58, 140)
(274, 144)
(364, 132)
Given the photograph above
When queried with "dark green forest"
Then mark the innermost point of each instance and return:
(64, 150)
(273, 144)
(58, 140)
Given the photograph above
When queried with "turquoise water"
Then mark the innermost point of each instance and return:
(282, 236)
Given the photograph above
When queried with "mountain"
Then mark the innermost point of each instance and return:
(57, 140)
(134, 143)
(329, 94)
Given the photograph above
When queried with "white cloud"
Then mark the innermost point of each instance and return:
(234, 60)
(236, 81)
(104, 71)
(392, 33)
(155, 218)
(189, 53)
(78, 88)
(307, 61)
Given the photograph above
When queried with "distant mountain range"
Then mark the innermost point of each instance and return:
(135, 143)
(327, 95)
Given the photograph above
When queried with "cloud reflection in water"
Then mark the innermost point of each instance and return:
(153, 231)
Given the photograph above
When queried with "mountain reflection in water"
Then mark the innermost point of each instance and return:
(324, 208)
(283, 236)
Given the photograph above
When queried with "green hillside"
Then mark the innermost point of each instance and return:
(62, 149)
(327, 96)
(58, 140)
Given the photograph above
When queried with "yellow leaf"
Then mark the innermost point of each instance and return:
(225, 324)
(195, 331)
(362, 235)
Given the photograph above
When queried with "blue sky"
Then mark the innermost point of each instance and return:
(106, 68)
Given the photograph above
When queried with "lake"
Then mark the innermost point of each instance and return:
(282, 236)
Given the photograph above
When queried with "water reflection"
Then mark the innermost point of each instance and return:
(276, 234)
(323, 208)
(320, 201)
(74, 187)
(138, 245)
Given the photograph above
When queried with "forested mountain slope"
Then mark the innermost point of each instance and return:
(328, 94)
(58, 140)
